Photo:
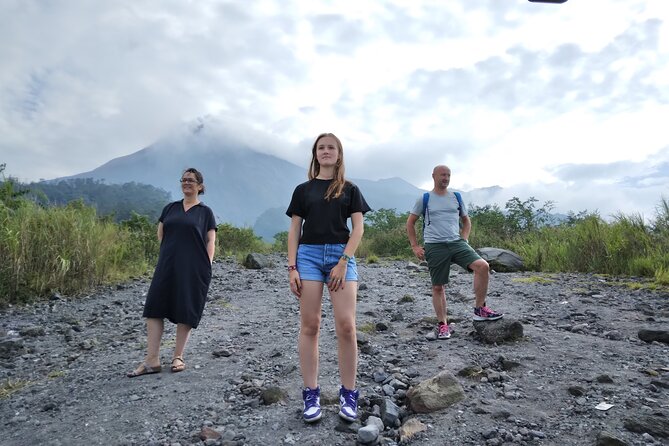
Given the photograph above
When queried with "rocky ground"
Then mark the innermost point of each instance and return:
(63, 365)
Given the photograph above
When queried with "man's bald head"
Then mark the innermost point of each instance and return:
(441, 175)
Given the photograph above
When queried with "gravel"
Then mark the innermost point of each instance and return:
(66, 359)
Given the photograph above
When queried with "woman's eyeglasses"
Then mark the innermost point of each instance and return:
(188, 180)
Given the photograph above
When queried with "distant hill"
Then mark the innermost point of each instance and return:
(244, 186)
(117, 200)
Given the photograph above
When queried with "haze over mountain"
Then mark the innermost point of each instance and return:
(244, 187)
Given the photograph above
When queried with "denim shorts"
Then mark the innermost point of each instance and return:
(314, 262)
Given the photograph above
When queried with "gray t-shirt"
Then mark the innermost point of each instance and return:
(442, 222)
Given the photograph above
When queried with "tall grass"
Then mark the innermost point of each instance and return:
(70, 249)
(65, 249)
(627, 245)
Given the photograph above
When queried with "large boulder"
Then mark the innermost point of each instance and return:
(655, 425)
(501, 260)
(436, 393)
(499, 331)
(257, 261)
(654, 335)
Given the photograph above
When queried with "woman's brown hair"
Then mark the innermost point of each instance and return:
(338, 181)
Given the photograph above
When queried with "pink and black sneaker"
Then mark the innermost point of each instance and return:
(443, 331)
(486, 314)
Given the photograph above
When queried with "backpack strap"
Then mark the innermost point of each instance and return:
(459, 197)
(426, 213)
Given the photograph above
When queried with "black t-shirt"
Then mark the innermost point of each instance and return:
(325, 220)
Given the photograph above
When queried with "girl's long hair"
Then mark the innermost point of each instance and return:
(338, 181)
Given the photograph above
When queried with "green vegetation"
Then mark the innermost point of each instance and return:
(10, 386)
(70, 248)
(626, 246)
(533, 279)
(239, 241)
(55, 374)
(66, 249)
(280, 242)
(385, 235)
(407, 298)
(119, 201)
(368, 328)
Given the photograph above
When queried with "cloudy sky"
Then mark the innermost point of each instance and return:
(568, 103)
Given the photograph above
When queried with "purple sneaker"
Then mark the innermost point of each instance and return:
(312, 404)
(348, 400)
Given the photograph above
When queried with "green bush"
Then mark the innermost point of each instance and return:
(488, 226)
(143, 236)
(233, 240)
(393, 242)
(280, 242)
(385, 235)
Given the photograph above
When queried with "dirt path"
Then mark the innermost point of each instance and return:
(580, 348)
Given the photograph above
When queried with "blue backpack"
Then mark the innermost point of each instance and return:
(426, 212)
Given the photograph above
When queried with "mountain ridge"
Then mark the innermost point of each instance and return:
(244, 186)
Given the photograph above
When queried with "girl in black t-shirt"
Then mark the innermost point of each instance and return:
(321, 250)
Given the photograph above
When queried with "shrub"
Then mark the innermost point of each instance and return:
(66, 249)
(371, 259)
(662, 276)
(385, 234)
(233, 240)
(280, 242)
(143, 236)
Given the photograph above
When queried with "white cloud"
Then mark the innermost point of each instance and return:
(503, 92)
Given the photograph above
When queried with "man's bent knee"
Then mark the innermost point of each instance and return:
(437, 288)
(479, 266)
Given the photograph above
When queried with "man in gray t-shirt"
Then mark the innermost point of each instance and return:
(446, 234)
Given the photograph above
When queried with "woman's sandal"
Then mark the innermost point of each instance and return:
(178, 367)
(144, 369)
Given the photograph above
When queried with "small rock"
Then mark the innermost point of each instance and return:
(222, 353)
(272, 395)
(605, 379)
(608, 439)
(368, 434)
(375, 421)
(32, 331)
(576, 390)
(380, 376)
(410, 429)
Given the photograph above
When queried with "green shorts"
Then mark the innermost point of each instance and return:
(439, 257)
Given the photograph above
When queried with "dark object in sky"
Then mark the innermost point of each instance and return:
(548, 1)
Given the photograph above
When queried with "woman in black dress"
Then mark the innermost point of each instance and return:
(178, 291)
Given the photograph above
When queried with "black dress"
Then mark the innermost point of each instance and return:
(180, 283)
